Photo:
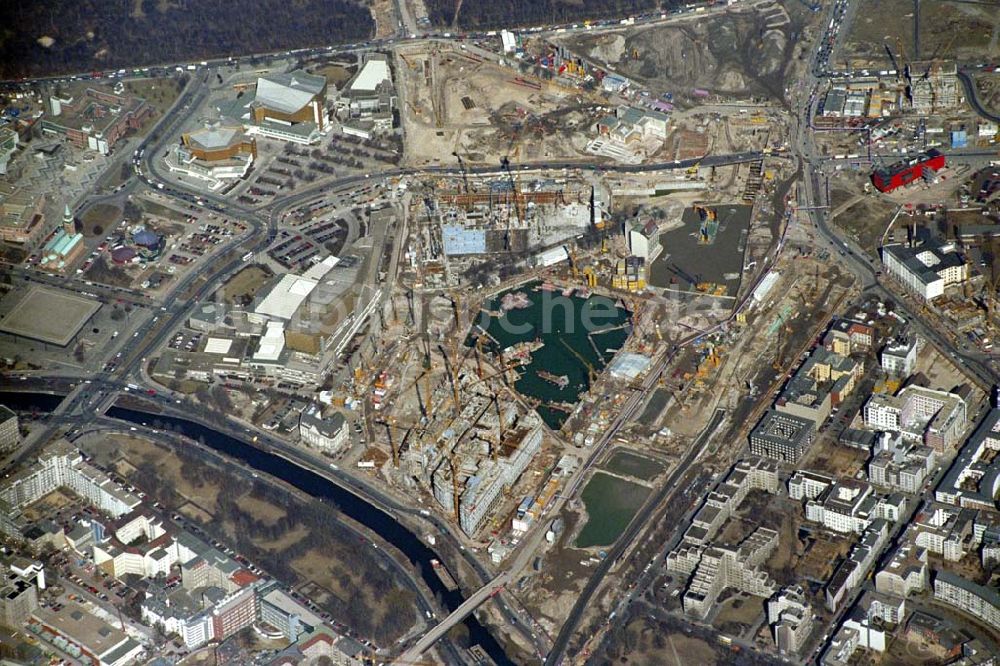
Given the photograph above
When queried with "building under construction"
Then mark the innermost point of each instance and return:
(472, 458)
(504, 216)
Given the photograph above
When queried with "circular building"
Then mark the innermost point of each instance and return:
(147, 239)
(123, 255)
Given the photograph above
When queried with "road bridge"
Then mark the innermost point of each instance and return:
(474, 601)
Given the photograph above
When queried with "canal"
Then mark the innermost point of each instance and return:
(352, 506)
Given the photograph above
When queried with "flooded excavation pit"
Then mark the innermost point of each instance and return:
(558, 342)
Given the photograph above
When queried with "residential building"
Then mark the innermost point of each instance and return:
(852, 571)
(901, 465)
(847, 506)
(804, 484)
(329, 434)
(976, 600)
(725, 566)
(821, 383)
(10, 430)
(945, 530)
(22, 217)
(925, 270)
(722, 503)
(846, 337)
(935, 418)
(95, 118)
(899, 356)
(973, 480)
(63, 466)
(905, 573)
(791, 619)
(782, 436)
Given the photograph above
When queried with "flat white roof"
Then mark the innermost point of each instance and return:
(272, 342)
(218, 346)
(373, 73)
(286, 297)
(318, 271)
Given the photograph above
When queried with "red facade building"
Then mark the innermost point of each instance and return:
(907, 171)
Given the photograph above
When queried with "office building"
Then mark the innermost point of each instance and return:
(643, 239)
(95, 118)
(927, 269)
(8, 146)
(22, 217)
(821, 383)
(846, 337)
(328, 434)
(781, 436)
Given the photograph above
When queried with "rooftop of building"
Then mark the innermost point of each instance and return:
(89, 631)
(982, 483)
(372, 74)
(216, 136)
(288, 92)
(926, 260)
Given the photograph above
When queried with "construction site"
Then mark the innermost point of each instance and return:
(468, 102)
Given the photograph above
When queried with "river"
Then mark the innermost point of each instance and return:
(352, 506)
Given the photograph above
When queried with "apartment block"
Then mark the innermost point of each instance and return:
(804, 484)
(968, 597)
(791, 619)
(64, 466)
(905, 573)
(847, 506)
(973, 480)
(938, 419)
(900, 465)
(853, 570)
(726, 566)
